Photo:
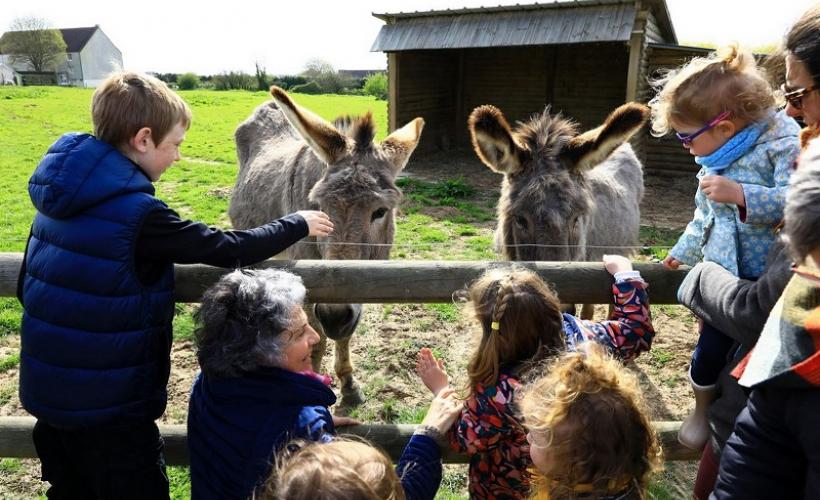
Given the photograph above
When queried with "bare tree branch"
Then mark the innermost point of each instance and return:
(32, 41)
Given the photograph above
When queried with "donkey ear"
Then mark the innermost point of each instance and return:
(493, 140)
(402, 142)
(322, 137)
(594, 146)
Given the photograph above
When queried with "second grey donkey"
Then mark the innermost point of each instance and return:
(291, 159)
(565, 196)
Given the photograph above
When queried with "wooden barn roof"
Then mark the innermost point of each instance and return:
(560, 22)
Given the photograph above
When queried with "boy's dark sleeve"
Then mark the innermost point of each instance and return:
(164, 236)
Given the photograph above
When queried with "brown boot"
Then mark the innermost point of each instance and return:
(694, 431)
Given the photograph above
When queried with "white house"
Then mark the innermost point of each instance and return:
(8, 76)
(90, 57)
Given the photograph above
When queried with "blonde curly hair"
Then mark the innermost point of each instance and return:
(343, 468)
(591, 411)
(729, 79)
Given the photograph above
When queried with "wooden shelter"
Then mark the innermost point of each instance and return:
(582, 57)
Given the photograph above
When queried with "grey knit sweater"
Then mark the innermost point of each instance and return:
(739, 309)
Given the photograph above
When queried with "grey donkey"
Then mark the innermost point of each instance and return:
(291, 159)
(565, 196)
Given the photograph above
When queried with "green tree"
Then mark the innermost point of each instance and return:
(262, 79)
(188, 81)
(376, 85)
(325, 75)
(31, 41)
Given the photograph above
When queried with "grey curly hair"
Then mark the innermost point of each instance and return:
(802, 212)
(240, 323)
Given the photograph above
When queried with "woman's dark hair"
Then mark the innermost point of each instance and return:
(803, 41)
(241, 319)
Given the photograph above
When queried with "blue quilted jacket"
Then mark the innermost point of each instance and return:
(717, 233)
(95, 341)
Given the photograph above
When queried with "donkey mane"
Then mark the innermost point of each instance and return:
(544, 134)
(359, 128)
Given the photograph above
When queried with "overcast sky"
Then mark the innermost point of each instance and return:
(208, 38)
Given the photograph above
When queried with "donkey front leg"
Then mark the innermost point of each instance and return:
(339, 322)
(320, 348)
(351, 395)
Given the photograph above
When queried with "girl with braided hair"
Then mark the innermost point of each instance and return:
(522, 325)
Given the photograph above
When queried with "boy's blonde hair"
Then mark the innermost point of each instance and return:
(592, 411)
(521, 322)
(126, 102)
(343, 468)
(729, 79)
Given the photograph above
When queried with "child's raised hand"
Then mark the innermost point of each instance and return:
(431, 371)
(671, 263)
(722, 190)
(318, 222)
(616, 264)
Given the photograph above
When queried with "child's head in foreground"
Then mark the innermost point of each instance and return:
(710, 99)
(141, 117)
(588, 428)
(343, 468)
(520, 318)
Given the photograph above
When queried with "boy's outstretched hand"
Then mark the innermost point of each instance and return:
(318, 222)
(616, 264)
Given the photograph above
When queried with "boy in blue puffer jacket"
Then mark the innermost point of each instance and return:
(97, 286)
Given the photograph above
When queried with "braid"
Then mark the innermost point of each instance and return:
(502, 299)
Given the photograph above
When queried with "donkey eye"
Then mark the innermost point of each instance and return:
(378, 214)
(521, 222)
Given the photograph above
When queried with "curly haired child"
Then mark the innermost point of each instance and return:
(522, 324)
(723, 111)
(589, 434)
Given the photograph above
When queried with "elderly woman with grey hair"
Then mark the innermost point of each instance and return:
(256, 390)
(774, 450)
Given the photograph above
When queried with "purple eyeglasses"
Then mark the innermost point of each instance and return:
(687, 139)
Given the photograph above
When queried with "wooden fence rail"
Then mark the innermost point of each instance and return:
(16, 442)
(377, 282)
(393, 281)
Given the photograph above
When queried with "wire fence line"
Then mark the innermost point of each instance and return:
(443, 244)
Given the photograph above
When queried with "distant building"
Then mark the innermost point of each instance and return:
(90, 57)
(9, 77)
(360, 74)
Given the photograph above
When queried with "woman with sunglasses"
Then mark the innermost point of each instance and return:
(723, 111)
(803, 73)
(739, 307)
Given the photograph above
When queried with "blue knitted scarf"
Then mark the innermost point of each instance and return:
(733, 149)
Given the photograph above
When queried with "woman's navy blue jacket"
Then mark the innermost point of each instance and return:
(235, 426)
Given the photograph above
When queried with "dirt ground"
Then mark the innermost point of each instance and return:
(389, 337)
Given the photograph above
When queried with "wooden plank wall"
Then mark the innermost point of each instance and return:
(665, 154)
(427, 88)
(584, 81)
(512, 79)
(590, 81)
